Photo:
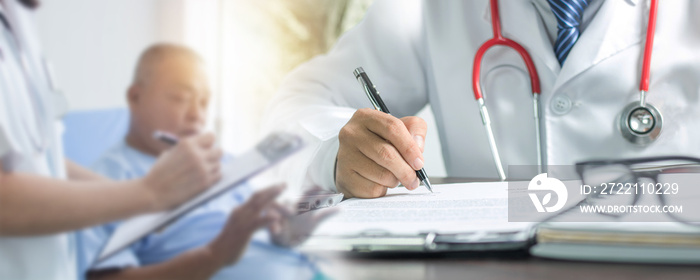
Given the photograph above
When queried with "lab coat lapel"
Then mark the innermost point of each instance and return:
(617, 26)
(521, 23)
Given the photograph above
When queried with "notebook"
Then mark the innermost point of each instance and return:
(633, 242)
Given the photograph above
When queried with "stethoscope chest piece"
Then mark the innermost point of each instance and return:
(640, 124)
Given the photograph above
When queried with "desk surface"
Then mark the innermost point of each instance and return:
(339, 266)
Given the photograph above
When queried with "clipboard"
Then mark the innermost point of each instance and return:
(266, 153)
(387, 244)
(418, 222)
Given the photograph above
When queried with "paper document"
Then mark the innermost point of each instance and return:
(268, 152)
(451, 209)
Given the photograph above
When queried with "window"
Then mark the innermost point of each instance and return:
(250, 46)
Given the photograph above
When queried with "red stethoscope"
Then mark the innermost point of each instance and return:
(639, 123)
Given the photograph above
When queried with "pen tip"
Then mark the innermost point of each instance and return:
(428, 185)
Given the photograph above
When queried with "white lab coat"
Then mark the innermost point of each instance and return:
(51, 256)
(422, 52)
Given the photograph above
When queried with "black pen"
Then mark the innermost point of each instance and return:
(379, 105)
(165, 137)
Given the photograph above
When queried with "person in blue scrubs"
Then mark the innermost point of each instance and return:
(170, 93)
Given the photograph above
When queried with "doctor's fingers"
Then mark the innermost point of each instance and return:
(387, 156)
(358, 186)
(418, 129)
(369, 169)
(395, 132)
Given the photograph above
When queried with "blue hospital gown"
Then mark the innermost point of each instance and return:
(262, 259)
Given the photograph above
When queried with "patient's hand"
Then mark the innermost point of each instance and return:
(257, 212)
(183, 171)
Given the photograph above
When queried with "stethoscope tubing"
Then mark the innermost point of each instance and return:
(499, 39)
(39, 142)
(649, 44)
(648, 47)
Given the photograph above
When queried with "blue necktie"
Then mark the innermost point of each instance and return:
(569, 14)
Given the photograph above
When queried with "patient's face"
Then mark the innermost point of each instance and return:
(173, 98)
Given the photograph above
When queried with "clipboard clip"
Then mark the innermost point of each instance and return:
(430, 241)
(312, 202)
(485, 239)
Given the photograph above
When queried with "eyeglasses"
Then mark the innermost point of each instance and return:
(621, 184)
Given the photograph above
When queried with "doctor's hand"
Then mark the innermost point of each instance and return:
(377, 151)
(181, 172)
(259, 211)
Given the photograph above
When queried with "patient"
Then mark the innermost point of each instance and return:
(170, 93)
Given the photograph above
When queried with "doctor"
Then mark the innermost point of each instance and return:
(588, 56)
(43, 196)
